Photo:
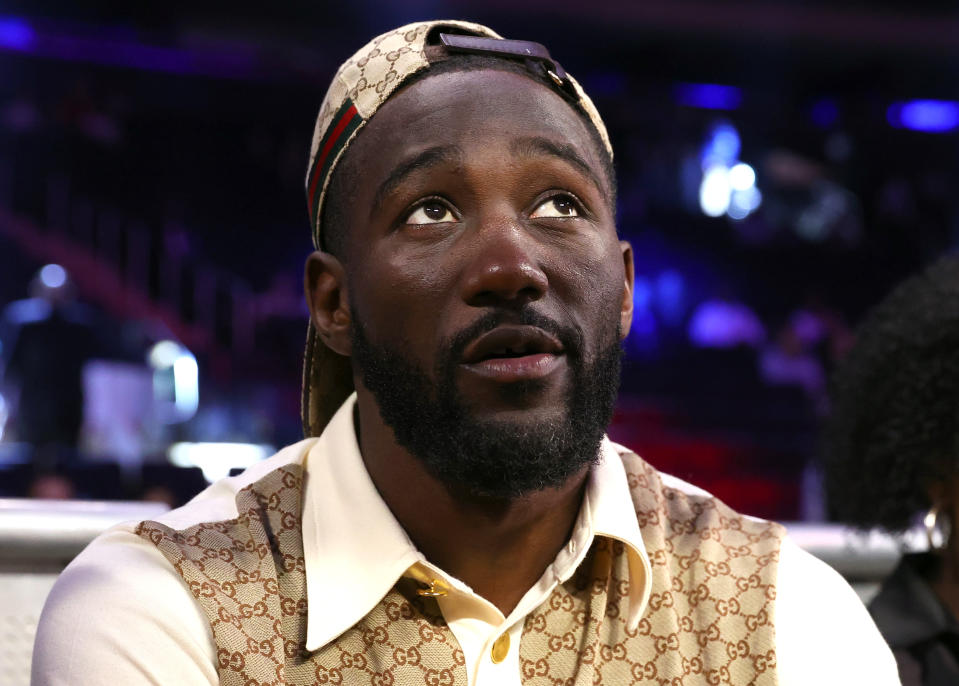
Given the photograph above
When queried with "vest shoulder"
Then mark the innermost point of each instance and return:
(218, 502)
(680, 506)
(266, 520)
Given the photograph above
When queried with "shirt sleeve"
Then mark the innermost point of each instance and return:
(120, 614)
(824, 634)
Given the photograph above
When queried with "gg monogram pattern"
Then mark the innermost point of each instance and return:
(709, 620)
(249, 576)
(710, 614)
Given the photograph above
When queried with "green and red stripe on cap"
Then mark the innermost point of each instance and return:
(344, 123)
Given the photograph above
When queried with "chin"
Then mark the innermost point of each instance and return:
(520, 418)
(521, 401)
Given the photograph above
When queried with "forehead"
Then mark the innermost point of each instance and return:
(469, 109)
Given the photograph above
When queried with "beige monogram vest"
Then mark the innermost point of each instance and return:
(709, 619)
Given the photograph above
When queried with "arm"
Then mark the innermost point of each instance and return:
(120, 614)
(824, 634)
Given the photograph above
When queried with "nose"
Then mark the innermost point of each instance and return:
(504, 267)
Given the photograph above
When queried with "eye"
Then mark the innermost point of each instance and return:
(561, 205)
(431, 211)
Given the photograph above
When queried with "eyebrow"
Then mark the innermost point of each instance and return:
(535, 146)
(426, 159)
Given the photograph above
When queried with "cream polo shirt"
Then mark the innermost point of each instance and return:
(120, 614)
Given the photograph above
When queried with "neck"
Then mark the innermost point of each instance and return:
(500, 548)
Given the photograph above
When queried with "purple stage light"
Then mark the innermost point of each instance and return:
(928, 116)
(18, 35)
(708, 96)
(15, 34)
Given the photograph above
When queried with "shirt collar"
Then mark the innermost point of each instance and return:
(355, 550)
(610, 504)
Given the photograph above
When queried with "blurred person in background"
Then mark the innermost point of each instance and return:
(893, 455)
(51, 486)
(160, 494)
(823, 329)
(50, 337)
(788, 361)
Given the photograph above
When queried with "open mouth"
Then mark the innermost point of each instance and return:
(513, 353)
(519, 351)
(510, 342)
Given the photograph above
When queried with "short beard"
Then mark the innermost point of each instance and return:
(493, 459)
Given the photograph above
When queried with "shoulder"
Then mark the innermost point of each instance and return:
(681, 501)
(818, 613)
(218, 502)
(122, 595)
(119, 613)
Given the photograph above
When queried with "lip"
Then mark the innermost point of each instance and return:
(513, 369)
(541, 354)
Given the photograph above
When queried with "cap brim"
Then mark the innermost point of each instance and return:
(327, 383)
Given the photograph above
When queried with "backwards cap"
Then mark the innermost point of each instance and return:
(361, 85)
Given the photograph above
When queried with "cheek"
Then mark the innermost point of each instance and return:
(594, 289)
(400, 300)
(592, 280)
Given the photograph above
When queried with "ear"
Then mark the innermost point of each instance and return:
(328, 300)
(626, 307)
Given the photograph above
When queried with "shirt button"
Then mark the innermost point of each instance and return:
(500, 649)
(436, 589)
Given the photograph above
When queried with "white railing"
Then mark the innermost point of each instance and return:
(37, 540)
(45, 530)
(860, 556)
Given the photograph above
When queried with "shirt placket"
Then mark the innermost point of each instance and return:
(500, 658)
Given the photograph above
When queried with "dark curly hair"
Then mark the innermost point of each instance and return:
(894, 430)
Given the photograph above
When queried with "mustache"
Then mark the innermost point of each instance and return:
(570, 336)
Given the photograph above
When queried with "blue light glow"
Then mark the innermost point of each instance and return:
(3, 416)
(671, 295)
(722, 146)
(186, 385)
(714, 191)
(642, 295)
(19, 35)
(742, 177)
(928, 116)
(744, 202)
(15, 34)
(53, 276)
(825, 113)
(177, 401)
(727, 186)
(708, 96)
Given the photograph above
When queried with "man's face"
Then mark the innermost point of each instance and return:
(483, 261)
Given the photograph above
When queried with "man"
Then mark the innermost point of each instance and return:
(48, 375)
(460, 518)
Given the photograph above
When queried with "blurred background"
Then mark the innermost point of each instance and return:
(782, 163)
